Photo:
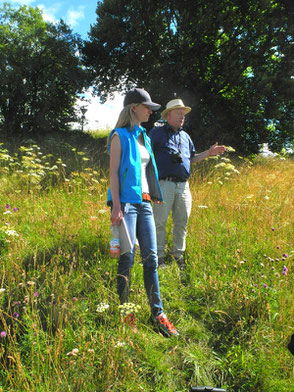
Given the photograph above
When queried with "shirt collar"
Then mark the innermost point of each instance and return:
(170, 129)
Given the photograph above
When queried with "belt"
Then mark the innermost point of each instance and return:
(146, 197)
(174, 179)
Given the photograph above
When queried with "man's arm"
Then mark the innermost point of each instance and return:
(213, 150)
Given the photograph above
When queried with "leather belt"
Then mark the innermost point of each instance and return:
(174, 179)
(146, 197)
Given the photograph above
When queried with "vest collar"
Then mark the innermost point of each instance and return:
(137, 130)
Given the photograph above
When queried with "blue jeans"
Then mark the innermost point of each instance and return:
(140, 223)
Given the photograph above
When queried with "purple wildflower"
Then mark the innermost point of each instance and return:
(15, 315)
(3, 334)
(14, 209)
(265, 286)
(7, 206)
(285, 270)
(273, 229)
(285, 255)
(36, 294)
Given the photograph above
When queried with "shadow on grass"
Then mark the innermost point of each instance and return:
(58, 285)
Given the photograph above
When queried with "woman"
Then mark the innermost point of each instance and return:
(133, 184)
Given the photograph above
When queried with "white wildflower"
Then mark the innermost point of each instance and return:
(74, 352)
(11, 233)
(128, 308)
(102, 307)
(120, 344)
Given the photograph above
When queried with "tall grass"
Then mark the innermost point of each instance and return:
(60, 325)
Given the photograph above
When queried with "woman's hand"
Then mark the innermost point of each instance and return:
(116, 215)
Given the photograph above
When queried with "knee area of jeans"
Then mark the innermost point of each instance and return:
(126, 260)
(150, 264)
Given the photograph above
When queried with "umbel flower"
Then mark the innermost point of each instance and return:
(101, 308)
(128, 308)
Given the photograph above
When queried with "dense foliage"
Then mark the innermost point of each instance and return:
(40, 72)
(231, 60)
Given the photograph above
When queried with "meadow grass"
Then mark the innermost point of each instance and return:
(60, 323)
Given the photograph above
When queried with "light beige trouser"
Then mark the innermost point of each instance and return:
(177, 198)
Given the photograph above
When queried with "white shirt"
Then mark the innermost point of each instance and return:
(145, 158)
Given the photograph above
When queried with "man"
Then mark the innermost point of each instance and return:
(174, 152)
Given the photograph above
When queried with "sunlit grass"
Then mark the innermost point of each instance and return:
(99, 133)
(60, 320)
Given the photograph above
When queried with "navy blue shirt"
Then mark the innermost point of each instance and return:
(167, 144)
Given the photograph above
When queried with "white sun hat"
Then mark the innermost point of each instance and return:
(175, 104)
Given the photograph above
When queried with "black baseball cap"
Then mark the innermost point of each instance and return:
(139, 95)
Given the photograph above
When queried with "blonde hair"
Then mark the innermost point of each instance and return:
(127, 117)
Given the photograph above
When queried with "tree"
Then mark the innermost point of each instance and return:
(231, 60)
(40, 72)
